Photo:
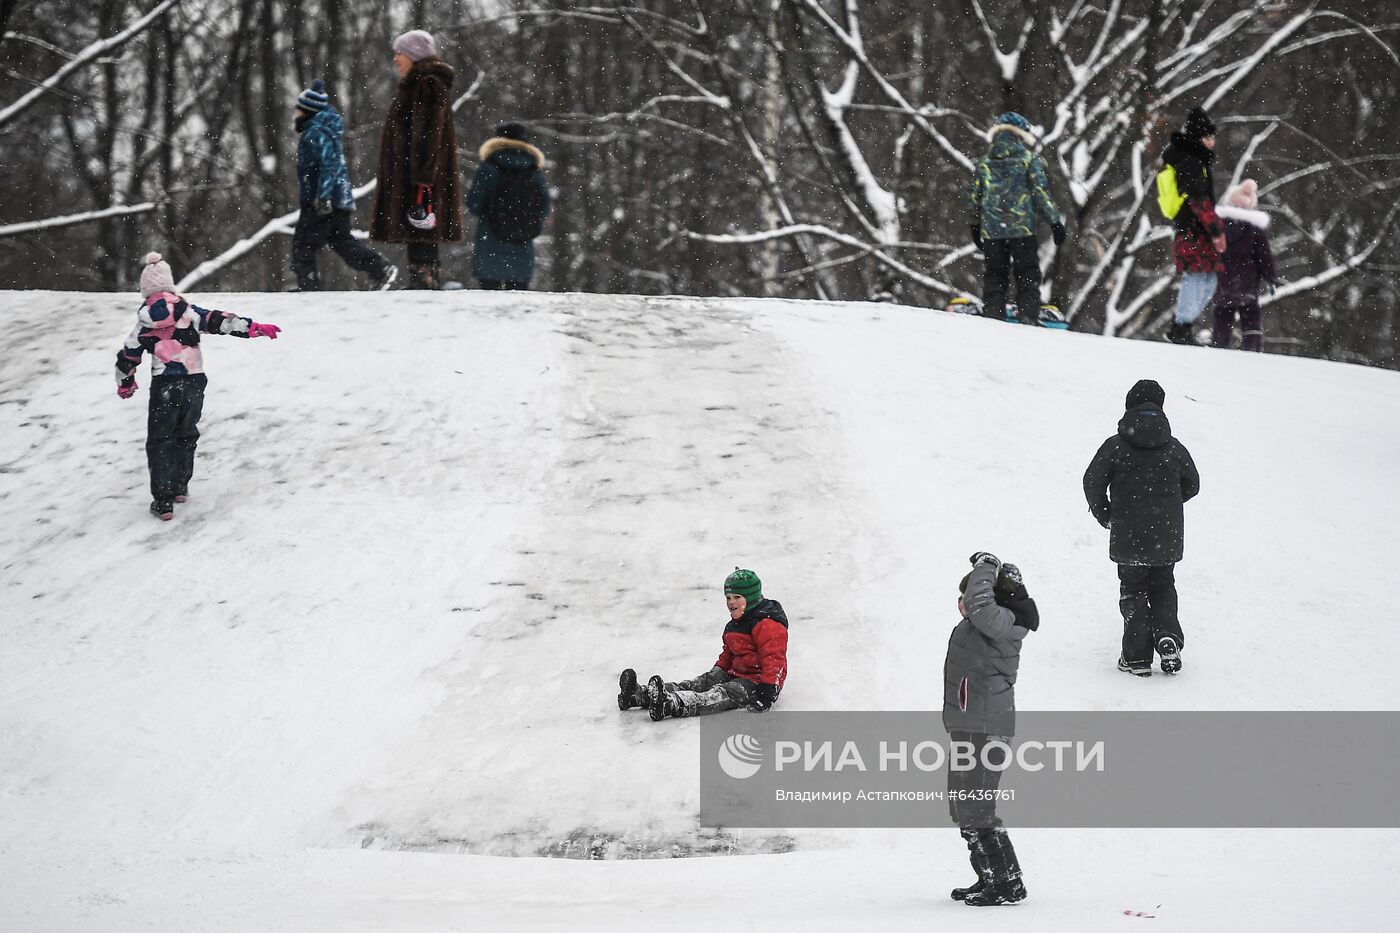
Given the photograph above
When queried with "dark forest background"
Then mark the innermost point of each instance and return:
(796, 148)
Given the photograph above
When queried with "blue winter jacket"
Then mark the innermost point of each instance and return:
(321, 169)
(494, 259)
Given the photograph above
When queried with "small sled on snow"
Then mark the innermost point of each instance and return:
(1050, 315)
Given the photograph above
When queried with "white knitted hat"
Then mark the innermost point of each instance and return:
(156, 276)
(417, 44)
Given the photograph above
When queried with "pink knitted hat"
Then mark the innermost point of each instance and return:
(156, 277)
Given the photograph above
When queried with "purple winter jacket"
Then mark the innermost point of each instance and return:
(1247, 258)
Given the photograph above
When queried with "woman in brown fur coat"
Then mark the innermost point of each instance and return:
(418, 200)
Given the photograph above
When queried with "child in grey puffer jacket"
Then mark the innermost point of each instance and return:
(979, 706)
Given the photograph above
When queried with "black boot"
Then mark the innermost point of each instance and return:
(660, 701)
(1136, 668)
(630, 695)
(163, 509)
(961, 894)
(1181, 334)
(999, 870)
(1170, 654)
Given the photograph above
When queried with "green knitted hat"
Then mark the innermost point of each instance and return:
(744, 583)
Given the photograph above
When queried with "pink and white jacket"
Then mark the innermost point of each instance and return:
(168, 328)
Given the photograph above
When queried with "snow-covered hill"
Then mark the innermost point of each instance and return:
(380, 643)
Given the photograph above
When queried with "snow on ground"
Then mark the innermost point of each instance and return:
(380, 643)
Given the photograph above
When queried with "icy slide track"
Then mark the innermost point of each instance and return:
(426, 532)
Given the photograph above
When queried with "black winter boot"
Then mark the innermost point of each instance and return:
(660, 701)
(163, 509)
(961, 894)
(1170, 654)
(630, 695)
(1136, 668)
(1000, 871)
(1181, 334)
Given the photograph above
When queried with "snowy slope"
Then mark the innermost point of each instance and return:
(425, 534)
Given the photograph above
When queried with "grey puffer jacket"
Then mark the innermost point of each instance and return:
(984, 654)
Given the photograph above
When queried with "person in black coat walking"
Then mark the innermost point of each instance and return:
(1135, 486)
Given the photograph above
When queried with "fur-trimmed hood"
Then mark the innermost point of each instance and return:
(498, 144)
(1245, 215)
(1025, 136)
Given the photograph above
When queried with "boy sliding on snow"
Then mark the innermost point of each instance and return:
(168, 328)
(749, 672)
(979, 706)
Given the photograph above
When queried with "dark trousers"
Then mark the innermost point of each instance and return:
(333, 230)
(1251, 326)
(1020, 257)
(977, 816)
(502, 285)
(714, 691)
(1147, 599)
(172, 432)
(989, 848)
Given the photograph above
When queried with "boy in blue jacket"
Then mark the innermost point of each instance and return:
(327, 203)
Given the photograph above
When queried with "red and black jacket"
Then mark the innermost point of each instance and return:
(755, 644)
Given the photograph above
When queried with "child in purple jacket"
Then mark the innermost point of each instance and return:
(168, 327)
(1248, 261)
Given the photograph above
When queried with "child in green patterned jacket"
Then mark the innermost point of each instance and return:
(1009, 190)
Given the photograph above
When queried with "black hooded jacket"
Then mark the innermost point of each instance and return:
(1135, 486)
(1194, 179)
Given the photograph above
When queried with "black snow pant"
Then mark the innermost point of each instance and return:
(1250, 324)
(989, 848)
(1147, 599)
(313, 232)
(1019, 256)
(172, 432)
(502, 285)
(714, 691)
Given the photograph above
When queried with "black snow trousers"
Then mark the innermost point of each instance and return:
(172, 432)
(1147, 599)
(314, 232)
(989, 847)
(714, 691)
(1019, 256)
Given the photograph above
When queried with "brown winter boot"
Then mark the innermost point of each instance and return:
(424, 275)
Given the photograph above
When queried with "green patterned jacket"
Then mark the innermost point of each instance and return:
(1010, 187)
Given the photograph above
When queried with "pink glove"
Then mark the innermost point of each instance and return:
(127, 389)
(264, 330)
(1219, 244)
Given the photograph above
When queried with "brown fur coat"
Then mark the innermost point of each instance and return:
(419, 147)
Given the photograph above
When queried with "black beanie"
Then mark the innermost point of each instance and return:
(1004, 591)
(1198, 124)
(516, 131)
(1144, 391)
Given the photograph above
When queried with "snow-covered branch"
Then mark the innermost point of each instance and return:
(819, 230)
(87, 56)
(68, 220)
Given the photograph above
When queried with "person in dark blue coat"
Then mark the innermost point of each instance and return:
(510, 199)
